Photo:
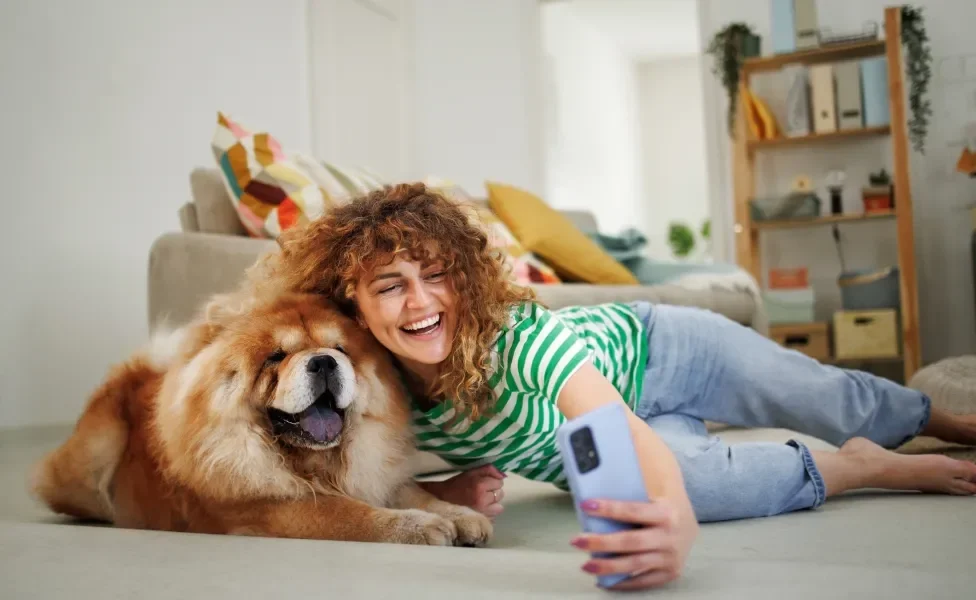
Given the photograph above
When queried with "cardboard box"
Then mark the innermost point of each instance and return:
(866, 334)
(812, 339)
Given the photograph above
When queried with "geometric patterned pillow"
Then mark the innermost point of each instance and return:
(525, 267)
(273, 191)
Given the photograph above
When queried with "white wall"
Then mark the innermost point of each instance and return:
(672, 130)
(942, 225)
(476, 97)
(106, 107)
(592, 138)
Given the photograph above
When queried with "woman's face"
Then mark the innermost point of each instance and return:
(410, 308)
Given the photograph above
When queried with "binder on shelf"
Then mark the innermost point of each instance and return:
(783, 27)
(848, 80)
(822, 98)
(874, 89)
(805, 24)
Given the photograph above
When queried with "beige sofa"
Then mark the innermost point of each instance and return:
(211, 252)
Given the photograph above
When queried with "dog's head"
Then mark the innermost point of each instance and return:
(257, 389)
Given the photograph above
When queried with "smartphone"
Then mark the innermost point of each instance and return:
(600, 461)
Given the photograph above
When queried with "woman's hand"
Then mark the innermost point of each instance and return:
(655, 553)
(480, 489)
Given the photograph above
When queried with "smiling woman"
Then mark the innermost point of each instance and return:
(493, 375)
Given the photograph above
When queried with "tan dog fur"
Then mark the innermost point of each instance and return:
(177, 438)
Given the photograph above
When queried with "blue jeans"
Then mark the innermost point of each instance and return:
(702, 366)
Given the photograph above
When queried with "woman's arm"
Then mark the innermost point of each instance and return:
(671, 519)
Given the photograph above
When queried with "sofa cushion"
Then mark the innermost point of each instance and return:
(212, 206)
(548, 233)
(526, 268)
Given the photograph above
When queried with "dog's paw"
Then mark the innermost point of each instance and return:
(473, 528)
(423, 528)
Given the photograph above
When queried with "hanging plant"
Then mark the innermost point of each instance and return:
(728, 47)
(918, 66)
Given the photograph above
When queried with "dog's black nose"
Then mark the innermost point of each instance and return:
(322, 365)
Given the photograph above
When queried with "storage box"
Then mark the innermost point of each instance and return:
(789, 279)
(849, 114)
(782, 26)
(870, 289)
(789, 306)
(823, 98)
(798, 205)
(812, 339)
(866, 334)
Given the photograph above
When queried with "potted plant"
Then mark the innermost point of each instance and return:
(918, 66)
(729, 47)
(681, 239)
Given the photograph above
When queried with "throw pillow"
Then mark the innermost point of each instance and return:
(550, 235)
(273, 191)
(525, 267)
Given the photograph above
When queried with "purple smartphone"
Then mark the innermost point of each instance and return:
(600, 462)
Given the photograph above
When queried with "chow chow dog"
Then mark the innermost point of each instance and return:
(284, 419)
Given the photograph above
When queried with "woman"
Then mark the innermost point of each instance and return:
(494, 373)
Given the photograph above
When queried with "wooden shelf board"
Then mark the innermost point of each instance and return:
(825, 54)
(868, 359)
(818, 221)
(845, 134)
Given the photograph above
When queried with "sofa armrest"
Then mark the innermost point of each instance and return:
(738, 306)
(187, 268)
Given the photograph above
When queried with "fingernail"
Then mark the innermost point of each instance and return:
(590, 505)
(580, 542)
(591, 568)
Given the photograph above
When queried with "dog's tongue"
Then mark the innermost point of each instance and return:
(322, 423)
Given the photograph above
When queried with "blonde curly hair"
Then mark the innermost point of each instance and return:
(329, 255)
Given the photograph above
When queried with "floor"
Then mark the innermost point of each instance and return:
(868, 545)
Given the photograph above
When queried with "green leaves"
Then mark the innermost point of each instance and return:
(918, 63)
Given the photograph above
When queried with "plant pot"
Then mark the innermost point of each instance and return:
(750, 46)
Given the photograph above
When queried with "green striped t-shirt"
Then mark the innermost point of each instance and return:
(534, 357)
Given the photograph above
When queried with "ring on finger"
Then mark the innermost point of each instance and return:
(494, 495)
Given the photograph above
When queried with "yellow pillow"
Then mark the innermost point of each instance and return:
(550, 235)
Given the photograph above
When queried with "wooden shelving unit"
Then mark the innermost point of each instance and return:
(745, 150)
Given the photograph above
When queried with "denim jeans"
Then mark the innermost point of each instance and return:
(703, 366)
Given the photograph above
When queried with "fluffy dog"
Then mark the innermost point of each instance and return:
(284, 419)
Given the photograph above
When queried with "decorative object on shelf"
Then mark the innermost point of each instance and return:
(788, 278)
(728, 47)
(878, 197)
(967, 162)
(849, 112)
(762, 124)
(835, 185)
(868, 32)
(865, 334)
(919, 68)
(796, 205)
(797, 103)
(868, 289)
(805, 24)
(812, 339)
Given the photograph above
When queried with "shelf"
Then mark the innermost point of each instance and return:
(867, 359)
(846, 134)
(825, 54)
(818, 221)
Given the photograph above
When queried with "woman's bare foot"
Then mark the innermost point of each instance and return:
(884, 469)
(959, 429)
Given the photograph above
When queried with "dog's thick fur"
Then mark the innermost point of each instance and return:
(180, 437)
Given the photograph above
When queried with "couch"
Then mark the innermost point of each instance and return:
(211, 251)
(864, 545)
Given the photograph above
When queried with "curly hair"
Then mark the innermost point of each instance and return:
(328, 255)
